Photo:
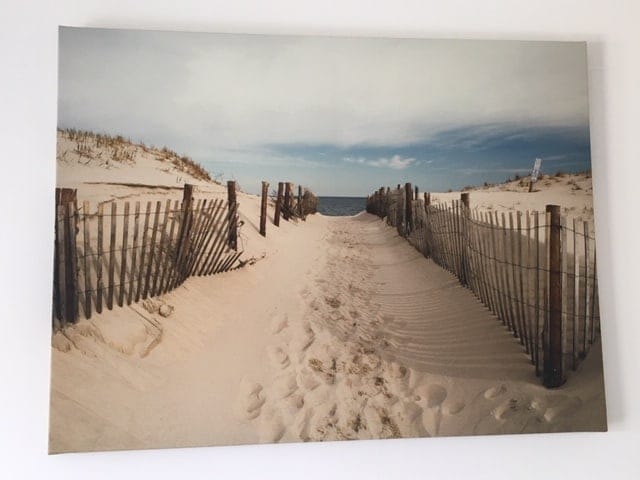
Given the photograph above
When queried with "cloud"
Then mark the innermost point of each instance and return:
(396, 162)
(217, 91)
(358, 160)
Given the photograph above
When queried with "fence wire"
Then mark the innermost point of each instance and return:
(504, 261)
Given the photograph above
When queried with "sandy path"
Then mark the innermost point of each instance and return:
(343, 332)
(425, 319)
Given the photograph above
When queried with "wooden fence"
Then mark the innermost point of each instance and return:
(119, 253)
(534, 270)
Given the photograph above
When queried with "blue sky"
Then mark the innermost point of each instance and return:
(342, 116)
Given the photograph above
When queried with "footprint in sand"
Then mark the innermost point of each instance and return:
(301, 343)
(453, 408)
(279, 323)
(308, 380)
(506, 409)
(495, 392)
(563, 409)
(271, 429)
(285, 386)
(431, 395)
(303, 424)
(251, 398)
(278, 357)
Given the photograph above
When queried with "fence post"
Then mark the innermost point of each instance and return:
(407, 209)
(464, 199)
(263, 209)
(417, 193)
(300, 201)
(286, 214)
(233, 224)
(68, 292)
(553, 374)
(183, 231)
(276, 215)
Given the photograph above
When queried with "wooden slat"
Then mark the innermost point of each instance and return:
(199, 234)
(191, 239)
(62, 281)
(472, 248)
(231, 264)
(485, 267)
(221, 247)
(502, 268)
(553, 375)
(278, 207)
(490, 243)
(72, 261)
(263, 207)
(123, 260)
(437, 236)
(170, 258)
(200, 217)
(545, 292)
(451, 242)
(594, 298)
(86, 259)
(586, 287)
(527, 287)
(134, 251)
(57, 315)
(576, 292)
(161, 250)
(99, 259)
(233, 221)
(217, 233)
(187, 244)
(565, 283)
(112, 257)
(145, 246)
(224, 261)
(479, 234)
(457, 239)
(536, 234)
(520, 287)
(497, 282)
(218, 244)
(444, 237)
(514, 302)
(152, 251)
(462, 242)
(185, 233)
(210, 233)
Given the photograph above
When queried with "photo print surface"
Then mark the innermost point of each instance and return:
(263, 238)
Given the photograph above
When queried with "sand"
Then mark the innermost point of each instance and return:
(338, 330)
(573, 192)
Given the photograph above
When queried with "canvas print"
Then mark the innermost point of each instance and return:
(263, 238)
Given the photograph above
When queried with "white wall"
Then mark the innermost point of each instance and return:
(28, 43)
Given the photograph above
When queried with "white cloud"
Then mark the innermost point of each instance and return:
(358, 160)
(244, 91)
(396, 162)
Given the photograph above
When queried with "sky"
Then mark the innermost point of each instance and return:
(342, 116)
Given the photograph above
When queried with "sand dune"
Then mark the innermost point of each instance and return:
(344, 332)
(338, 329)
(573, 192)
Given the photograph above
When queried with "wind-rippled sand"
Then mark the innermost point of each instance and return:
(342, 331)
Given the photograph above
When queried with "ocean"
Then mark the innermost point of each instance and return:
(341, 206)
